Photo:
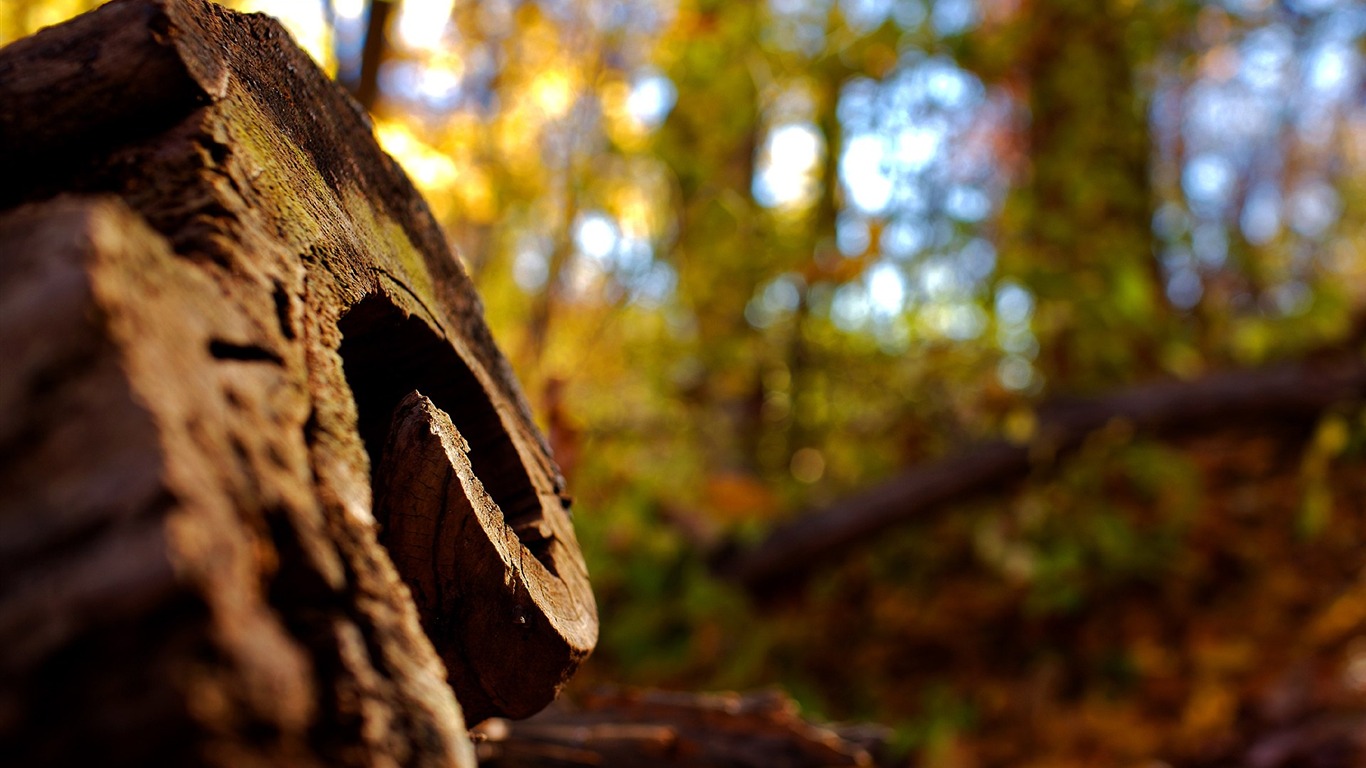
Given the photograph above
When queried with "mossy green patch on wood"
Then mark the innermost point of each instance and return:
(311, 214)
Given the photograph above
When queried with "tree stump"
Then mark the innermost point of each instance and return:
(218, 298)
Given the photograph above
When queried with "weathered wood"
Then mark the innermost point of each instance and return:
(1288, 392)
(456, 551)
(204, 337)
(626, 729)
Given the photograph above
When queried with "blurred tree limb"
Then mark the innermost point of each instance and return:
(1279, 394)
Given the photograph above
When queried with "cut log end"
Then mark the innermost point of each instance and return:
(508, 626)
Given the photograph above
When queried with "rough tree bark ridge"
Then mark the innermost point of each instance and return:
(215, 290)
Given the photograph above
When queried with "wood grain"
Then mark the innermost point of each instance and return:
(508, 627)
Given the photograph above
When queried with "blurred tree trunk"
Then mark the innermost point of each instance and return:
(229, 323)
(374, 52)
(1080, 221)
(710, 141)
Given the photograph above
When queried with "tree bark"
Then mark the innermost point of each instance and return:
(215, 290)
(1278, 394)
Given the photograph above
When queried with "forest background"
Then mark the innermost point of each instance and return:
(1018, 258)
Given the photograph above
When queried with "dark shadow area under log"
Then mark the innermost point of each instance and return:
(387, 354)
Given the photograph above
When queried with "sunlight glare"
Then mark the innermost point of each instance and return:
(651, 99)
(791, 160)
(431, 169)
(351, 10)
(422, 23)
(440, 84)
(596, 236)
(864, 173)
(553, 92)
(1333, 70)
(949, 85)
(795, 145)
(918, 146)
(306, 22)
(886, 289)
(1207, 180)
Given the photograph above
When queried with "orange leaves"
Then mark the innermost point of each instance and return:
(737, 496)
(1182, 659)
(1208, 716)
(1341, 619)
(836, 270)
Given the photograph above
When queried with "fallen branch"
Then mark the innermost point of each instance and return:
(656, 728)
(1282, 393)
